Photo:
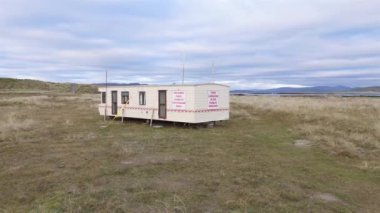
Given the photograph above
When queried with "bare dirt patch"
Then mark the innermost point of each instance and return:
(326, 197)
(302, 143)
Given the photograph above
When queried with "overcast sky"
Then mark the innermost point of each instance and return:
(253, 43)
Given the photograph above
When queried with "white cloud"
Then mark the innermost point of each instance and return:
(267, 43)
(242, 84)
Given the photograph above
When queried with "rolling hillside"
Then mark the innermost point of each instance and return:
(367, 89)
(27, 84)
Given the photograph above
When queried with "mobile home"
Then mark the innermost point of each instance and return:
(188, 103)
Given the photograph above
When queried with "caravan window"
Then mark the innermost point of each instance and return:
(103, 97)
(142, 98)
(125, 97)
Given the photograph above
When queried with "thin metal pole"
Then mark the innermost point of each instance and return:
(122, 115)
(151, 119)
(105, 108)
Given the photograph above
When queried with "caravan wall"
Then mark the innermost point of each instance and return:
(182, 103)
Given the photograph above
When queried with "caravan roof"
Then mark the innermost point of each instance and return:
(164, 85)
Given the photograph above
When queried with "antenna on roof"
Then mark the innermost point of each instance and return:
(183, 69)
(213, 72)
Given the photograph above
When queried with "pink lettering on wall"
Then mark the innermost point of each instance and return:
(179, 99)
(213, 99)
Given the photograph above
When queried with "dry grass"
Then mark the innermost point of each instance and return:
(57, 155)
(343, 126)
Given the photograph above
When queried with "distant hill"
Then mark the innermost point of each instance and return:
(366, 89)
(317, 89)
(27, 84)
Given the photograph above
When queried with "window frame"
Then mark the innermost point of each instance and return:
(124, 97)
(103, 96)
(142, 98)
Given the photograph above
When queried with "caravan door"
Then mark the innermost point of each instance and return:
(162, 104)
(114, 102)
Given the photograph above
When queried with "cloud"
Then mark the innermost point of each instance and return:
(242, 84)
(253, 44)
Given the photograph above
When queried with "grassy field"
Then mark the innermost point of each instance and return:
(275, 155)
